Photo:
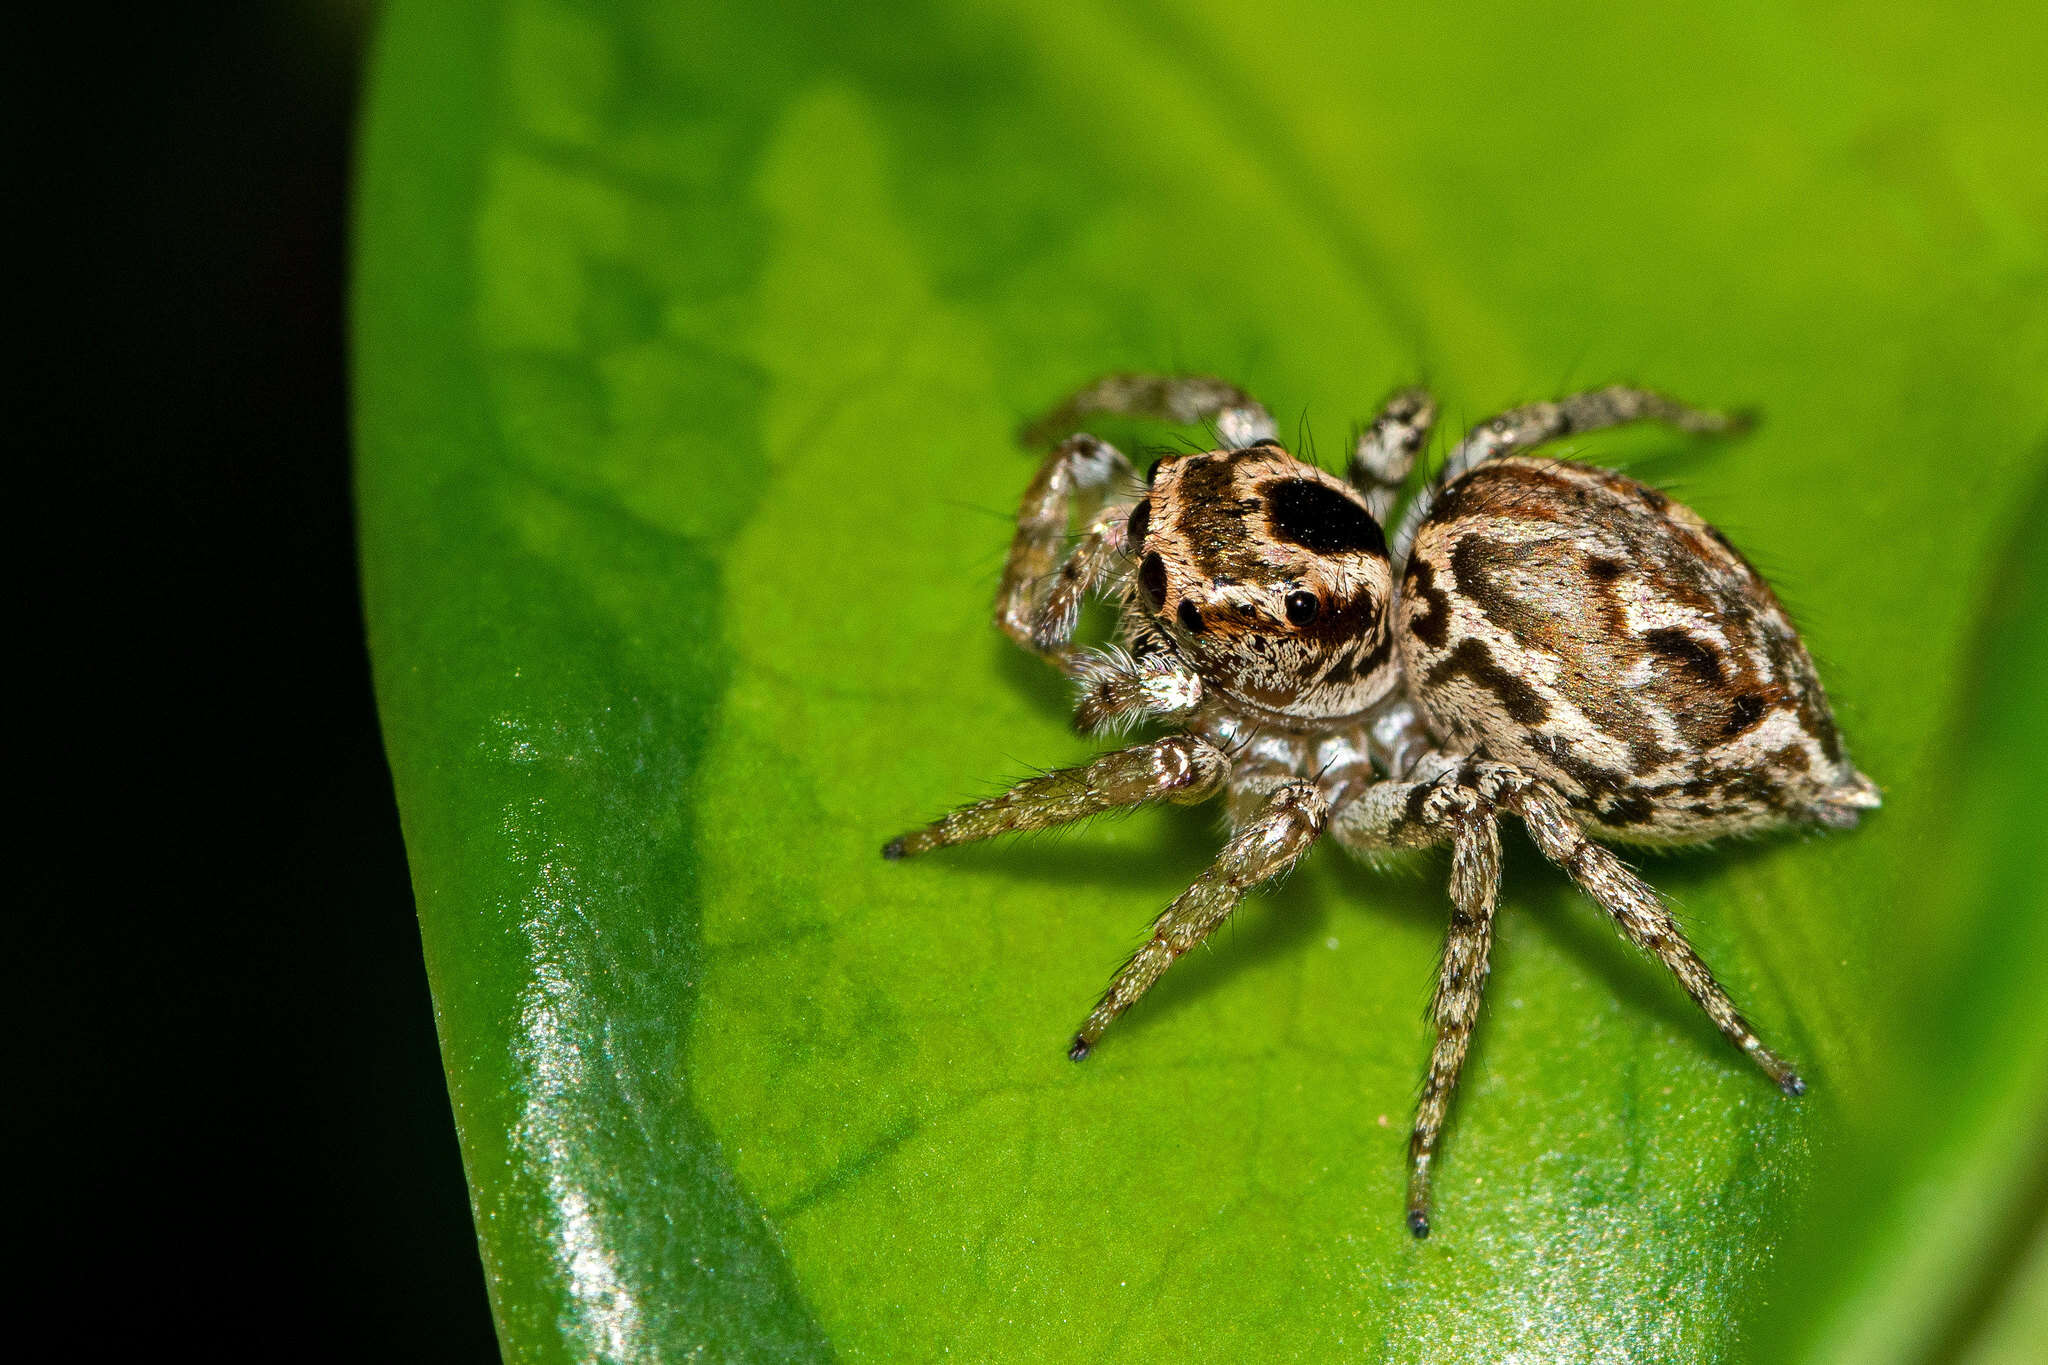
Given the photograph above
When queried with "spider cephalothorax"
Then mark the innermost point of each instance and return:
(1566, 646)
(1270, 578)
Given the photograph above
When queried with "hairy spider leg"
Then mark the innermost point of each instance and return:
(1454, 1009)
(1643, 919)
(1182, 769)
(1077, 474)
(1391, 815)
(1263, 848)
(1189, 398)
(1092, 563)
(1458, 808)
(1521, 428)
(1387, 448)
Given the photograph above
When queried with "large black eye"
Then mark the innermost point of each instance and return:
(1152, 581)
(1319, 518)
(1302, 607)
(1139, 524)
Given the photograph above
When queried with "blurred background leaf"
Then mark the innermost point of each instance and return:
(690, 341)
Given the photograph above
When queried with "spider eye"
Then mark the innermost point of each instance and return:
(1139, 524)
(1322, 520)
(1303, 607)
(1152, 581)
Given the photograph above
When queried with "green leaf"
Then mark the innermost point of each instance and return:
(690, 343)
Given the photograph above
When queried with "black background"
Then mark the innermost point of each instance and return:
(236, 1134)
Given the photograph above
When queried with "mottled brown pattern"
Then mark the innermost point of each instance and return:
(1471, 660)
(1429, 618)
(1659, 653)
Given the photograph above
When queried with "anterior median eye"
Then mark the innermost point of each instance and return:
(1303, 607)
(1318, 518)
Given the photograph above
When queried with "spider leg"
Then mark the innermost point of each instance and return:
(1453, 808)
(1641, 915)
(1522, 428)
(1419, 812)
(1461, 981)
(1179, 768)
(1254, 778)
(1190, 398)
(1386, 450)
(1078, 472)
(1262, 848)
(1094, 560)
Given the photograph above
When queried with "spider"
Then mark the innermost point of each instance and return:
(1539, 639)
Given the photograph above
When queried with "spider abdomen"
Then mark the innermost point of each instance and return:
(1589, 630)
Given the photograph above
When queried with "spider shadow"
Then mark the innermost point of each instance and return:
(1032, 677)
(1531, 885)
(1325, 895)
(1065, 857)
(1280, 925)
(1336, 893)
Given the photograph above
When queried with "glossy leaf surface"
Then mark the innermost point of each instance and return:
(691, 341)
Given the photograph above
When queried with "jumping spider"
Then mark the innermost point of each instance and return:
(1541, 639)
